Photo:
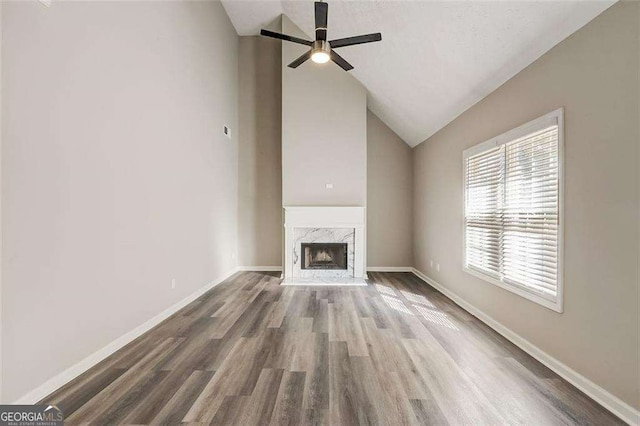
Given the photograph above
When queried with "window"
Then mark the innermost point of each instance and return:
(513, 210)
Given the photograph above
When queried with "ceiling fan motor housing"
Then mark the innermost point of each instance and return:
(321, 46)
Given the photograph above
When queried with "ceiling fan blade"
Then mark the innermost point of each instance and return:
(350, 41)
(300, 60)
(322, 9)
(340, 61)
(285, 37)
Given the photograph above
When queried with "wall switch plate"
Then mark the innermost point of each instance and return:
(431, 263)
(226, 131)
(438, 267)
(173, 283)
(328, 186)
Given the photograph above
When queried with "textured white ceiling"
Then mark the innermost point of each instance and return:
(436, 58)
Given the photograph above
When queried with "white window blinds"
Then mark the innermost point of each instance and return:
(484, 221)
(512, 210)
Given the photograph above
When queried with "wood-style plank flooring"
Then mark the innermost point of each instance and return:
(253, 352)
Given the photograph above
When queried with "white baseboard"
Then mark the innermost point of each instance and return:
(260, 268)
(609, 401)
(389, 269)
(75, 370)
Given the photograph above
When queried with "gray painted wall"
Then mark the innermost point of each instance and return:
(389, 168)
(260, 152)
(324, 132)
(594, 75)
(389, 196)
(116, 176)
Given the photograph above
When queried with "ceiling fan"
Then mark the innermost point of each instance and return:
(321, 49)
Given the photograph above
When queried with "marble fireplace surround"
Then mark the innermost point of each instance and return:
(327, 224)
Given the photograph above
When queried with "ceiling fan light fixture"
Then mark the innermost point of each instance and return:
(320, 57)
(320, 52)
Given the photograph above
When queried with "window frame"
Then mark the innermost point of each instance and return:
(551, 118)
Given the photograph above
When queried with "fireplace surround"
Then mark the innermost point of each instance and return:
(339, 230)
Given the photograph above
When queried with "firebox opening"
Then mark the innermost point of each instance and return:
(324, 256)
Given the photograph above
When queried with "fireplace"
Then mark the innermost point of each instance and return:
(324, 245)
(324, 256)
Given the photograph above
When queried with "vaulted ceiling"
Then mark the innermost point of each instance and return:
(436, 58)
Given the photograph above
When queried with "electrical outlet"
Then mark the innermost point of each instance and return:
(173, 283)
(438, 267)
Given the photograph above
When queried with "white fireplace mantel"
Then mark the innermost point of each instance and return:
(325, 217)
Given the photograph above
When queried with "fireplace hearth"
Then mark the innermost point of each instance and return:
(324, 256)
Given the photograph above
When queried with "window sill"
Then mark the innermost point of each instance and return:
(540, 300)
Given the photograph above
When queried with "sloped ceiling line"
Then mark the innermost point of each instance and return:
(436, 58)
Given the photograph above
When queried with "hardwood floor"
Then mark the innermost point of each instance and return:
(253, 352)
